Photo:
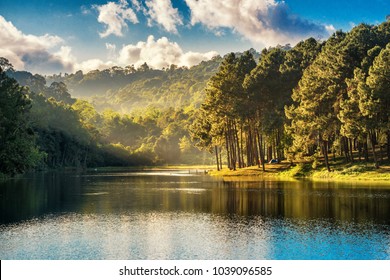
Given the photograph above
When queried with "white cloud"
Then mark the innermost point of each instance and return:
(137, 5)
(33, 53)
(163, 13)
(160, 53)
(93, 64)
(111, 50)
(45, 54)
(193, 58)
(330, 28)
(49, 54)
(265, 22)
(65, 53)
(114, 16)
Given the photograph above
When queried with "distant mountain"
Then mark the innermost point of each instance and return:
(176, 87)
(127, 89)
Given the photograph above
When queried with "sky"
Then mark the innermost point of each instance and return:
(48, 37)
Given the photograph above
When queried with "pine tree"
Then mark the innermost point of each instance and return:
(378, 95)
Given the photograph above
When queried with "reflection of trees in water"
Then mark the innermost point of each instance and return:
(307, 200)
(119, 193)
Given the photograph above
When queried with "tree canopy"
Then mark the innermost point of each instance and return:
(316, 100)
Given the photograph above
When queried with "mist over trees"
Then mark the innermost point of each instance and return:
(71, 132)
(317, 100)
(126, 89)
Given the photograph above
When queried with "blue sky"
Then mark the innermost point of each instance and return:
(65, 36)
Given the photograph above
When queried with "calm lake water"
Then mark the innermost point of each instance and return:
(176, 215)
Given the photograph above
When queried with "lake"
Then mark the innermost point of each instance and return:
(178, 214)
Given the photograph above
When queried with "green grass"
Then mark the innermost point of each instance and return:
(339, 172)
(272, 170)
(355, 172)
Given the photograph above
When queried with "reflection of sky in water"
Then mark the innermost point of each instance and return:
(323, 240)
(188, 236)
(128, 215)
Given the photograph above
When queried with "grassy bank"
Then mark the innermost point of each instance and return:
(340, 172)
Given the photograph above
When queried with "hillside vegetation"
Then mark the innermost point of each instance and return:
(320, 101)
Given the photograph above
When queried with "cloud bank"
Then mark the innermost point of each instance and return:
(262, 22)
(265, 22)
(160, 53)
(48, 54)
(31, 52)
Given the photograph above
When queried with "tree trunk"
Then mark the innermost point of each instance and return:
(388, 146)
(255, 145)
(269, 153)
(372, 139)
(365, 148)
(261, 150)
(233, 153)
(351, 149)
(227, 150)
(275, 150)
(278, 144)
(249, 147)
(220, 158)
(237, 145)
(346, 148)
(242, 145)
(216, 157)
(325, 152)
(359, 149)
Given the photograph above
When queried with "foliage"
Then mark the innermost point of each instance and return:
(18, 151)
(317, 100)
(129, 89)
(334, 107)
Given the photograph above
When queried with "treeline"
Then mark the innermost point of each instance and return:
(174, 87)
(315, 99)
(128, 89)
(44, 127)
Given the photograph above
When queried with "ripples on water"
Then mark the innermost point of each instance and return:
(189, 236)
(152, 216)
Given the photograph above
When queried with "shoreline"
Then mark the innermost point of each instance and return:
(357, 172)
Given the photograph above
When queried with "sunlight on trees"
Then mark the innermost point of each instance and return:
(316, 101)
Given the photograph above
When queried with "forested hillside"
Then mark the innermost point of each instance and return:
(317, 100)
(128, 89)
(175, 87)
(70, 132)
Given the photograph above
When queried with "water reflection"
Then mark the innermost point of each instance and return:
(184, 216)
(157, 235)
(136, 236)
(41, 194)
